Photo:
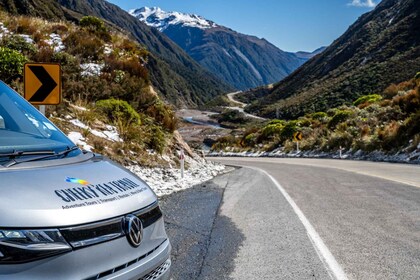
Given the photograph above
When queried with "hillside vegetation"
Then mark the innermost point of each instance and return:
(108, 98)
(388, 122)
(380, 48)
(173, 74)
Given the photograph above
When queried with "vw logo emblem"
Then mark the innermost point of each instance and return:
(134, 230)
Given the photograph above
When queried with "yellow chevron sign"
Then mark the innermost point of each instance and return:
(42, 83)
(297, 136)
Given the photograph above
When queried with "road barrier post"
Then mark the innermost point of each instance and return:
(182, 159)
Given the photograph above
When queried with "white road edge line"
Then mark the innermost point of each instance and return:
(319, 245)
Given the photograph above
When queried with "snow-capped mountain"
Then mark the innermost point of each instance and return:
(161, 20)
(241, 60)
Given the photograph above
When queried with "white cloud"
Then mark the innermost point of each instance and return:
(362, 3)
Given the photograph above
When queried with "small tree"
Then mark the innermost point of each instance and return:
(11, 63)
(92, 23)
(96, 26)
(371, 98)
(339, 117)
(118, 110)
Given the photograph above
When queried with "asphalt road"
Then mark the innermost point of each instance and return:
(311, 219)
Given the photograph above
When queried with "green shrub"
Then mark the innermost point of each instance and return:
(232, 116)
(19, 44)
(271, 130)
(11, 63)
(289, 129)
(319, 116)
(63, 58)
(118, 110)
(163, 115)
(92, 23)
(339, 117)
(339, 139)
(96, 26)
(249, 140)
(157, 141)
(282, 122)
(224, 142)
(304, 122)
(371, 98)
(118, 76)
(417, 76)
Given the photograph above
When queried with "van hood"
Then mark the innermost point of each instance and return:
(68, 195)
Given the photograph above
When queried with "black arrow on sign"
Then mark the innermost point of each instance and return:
(48, 84)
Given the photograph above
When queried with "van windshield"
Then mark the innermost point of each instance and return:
(25, 129)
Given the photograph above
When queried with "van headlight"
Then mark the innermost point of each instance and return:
(17, 246)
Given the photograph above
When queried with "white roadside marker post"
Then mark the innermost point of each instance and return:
(182, 158)
(42, 109)
(341, 152)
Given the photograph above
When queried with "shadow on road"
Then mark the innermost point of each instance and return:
(204, 243)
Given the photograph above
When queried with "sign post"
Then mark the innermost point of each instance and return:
(341, 152)
(297, 137)
(182, 159)
(42, 109)
(42, 84)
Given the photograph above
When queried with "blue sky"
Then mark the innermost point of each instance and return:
(291, 25)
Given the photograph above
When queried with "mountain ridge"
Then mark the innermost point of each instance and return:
(380, 48)
(243, 61)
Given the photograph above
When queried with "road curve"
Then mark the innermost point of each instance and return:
(241, 106)
(366, 214)
(231, 97)
(402, 173)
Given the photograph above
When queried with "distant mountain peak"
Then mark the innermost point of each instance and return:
(241, 60)
(160, 19)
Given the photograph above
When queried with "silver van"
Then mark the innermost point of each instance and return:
(71, 214)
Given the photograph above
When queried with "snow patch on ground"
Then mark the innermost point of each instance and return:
(4, 31)
(91, 69)
(168, 180)
(27, 38)
(79, 140)
(56, 42)
(78, 123)
(108, 49)
(110, 134)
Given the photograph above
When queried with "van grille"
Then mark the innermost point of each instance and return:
(94, 233)
(128, 264)
(159, 271)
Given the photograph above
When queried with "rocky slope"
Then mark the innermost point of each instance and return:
(241, 60)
